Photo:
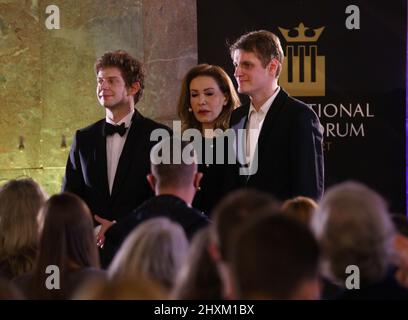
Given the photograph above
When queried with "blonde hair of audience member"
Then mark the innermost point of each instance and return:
(300, 208)
(354, 227)
(67, 241)
(123, 289)
(155, 249)
(225, 85)
(20, 202)
(198, 279)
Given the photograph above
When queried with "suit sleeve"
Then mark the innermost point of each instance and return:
(307, 161)
(73, 180)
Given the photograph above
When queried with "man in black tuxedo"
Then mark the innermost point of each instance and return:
(109, 160)
(284, 146)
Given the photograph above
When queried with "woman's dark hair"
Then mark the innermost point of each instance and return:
(67, 242)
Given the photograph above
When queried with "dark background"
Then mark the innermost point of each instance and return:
(362, 66)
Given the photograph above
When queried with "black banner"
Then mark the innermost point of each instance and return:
(347, 60)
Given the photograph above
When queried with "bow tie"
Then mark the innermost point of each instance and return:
(111, 129)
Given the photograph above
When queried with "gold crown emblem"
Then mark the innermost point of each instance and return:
(301, 34)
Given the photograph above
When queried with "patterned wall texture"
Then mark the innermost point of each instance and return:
(47, 83)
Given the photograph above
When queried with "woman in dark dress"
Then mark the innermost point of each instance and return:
(206, 102)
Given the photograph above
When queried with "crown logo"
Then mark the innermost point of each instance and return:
(304, 69)
(301, 37)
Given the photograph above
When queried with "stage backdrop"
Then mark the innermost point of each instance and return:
(347, 60)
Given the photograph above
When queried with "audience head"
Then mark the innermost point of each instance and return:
(275, 257)
(300, 208)
(67, 241)
(198, 279)
(20, 203)
(212, 85)
(174, 169)
(354, 227)
(233, 211)
(155, 249)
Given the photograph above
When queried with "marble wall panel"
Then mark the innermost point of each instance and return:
(20, 88)
(47, 82)
(170, 32)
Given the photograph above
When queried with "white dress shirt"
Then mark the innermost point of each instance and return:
(114, 147)
(255, 123)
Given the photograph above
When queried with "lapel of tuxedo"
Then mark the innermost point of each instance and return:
(126, 157)
(101, 171)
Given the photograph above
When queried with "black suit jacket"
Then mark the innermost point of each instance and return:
(290, 155)
(168, 206)
(86, 170)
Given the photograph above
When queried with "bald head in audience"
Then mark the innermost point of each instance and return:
(174, 169)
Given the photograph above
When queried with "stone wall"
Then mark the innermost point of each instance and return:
(47, 82)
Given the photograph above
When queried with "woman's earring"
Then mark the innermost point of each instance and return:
(190, 110)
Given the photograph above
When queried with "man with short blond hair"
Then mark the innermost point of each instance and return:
(284, 140)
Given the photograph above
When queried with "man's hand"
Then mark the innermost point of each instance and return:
(105, 225)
